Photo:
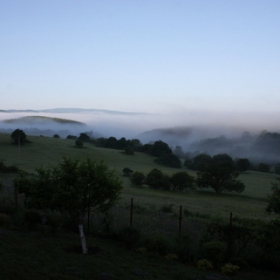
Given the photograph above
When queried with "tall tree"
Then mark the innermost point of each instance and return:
(72, 187)
(220, 175)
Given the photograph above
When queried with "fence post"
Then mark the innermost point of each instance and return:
(230, 235)
(131, 211)
(180, 221)
(16, 196)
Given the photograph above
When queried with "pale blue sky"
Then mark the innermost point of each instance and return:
(145, 56)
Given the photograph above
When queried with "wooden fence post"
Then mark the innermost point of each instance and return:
(230, 236)
(180, 221)
(16, 196)
(131, 212)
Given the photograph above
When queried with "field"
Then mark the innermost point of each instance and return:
(45, 151)
(48, 255)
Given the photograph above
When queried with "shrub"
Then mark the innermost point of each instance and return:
(243, 265)
(130, 236)
(5, 219)
(137, 179)
(215, 252)
(230, 269)
(7, 206)
(204, 264)
(127, 172)
(171, 257)
(142, 250)
(79, 143)
(167, 208)
(56, 136)
(7, 169)
(54, 220)
(188, 248)
(32, 217)
(159, 243)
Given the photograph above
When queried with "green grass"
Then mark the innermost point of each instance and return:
(34, 255)
(45, 151)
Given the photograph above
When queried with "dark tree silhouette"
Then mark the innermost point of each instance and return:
(18, 136)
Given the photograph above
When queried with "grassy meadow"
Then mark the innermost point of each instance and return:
(45, 151)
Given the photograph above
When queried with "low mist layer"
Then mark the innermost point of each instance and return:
(207, 132)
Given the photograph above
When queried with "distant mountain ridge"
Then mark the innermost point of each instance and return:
(38, 120)
(71, 110)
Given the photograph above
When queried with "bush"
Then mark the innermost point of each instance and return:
(159, 243)
(56, 136)
(182, 180)
(172, 257)
(243, 265)
(32, 217)
(158, 180)
(215, 252)
(167, 208)
(7, 206)
(137, 179)
(8, 169)
(5, 220)
(204, 264)
(230, 269)
(127, 172)
(130, 236)
(79, 143)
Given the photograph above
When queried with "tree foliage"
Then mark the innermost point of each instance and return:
(243, 164)
(169, 160)
(181, 181)
(127, 172)
(18, 136)
(199, 162)
(220, 174)
(263, 167)
(156, 179)
(137, 179)
(84, 137)
(79, 143)
(71, 187)
(160, 148)
(274, 198)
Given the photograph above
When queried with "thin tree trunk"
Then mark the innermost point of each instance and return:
(82, 235)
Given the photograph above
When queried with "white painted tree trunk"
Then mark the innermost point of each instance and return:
(82, 236)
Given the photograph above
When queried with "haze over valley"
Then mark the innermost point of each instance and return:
(248, 135)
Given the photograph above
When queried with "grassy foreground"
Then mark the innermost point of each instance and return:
(34, 255)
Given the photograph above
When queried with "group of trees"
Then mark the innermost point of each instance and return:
(158, 180)
(219, 172)
(159, 149)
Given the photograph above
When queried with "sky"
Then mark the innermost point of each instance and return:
(217, 59)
